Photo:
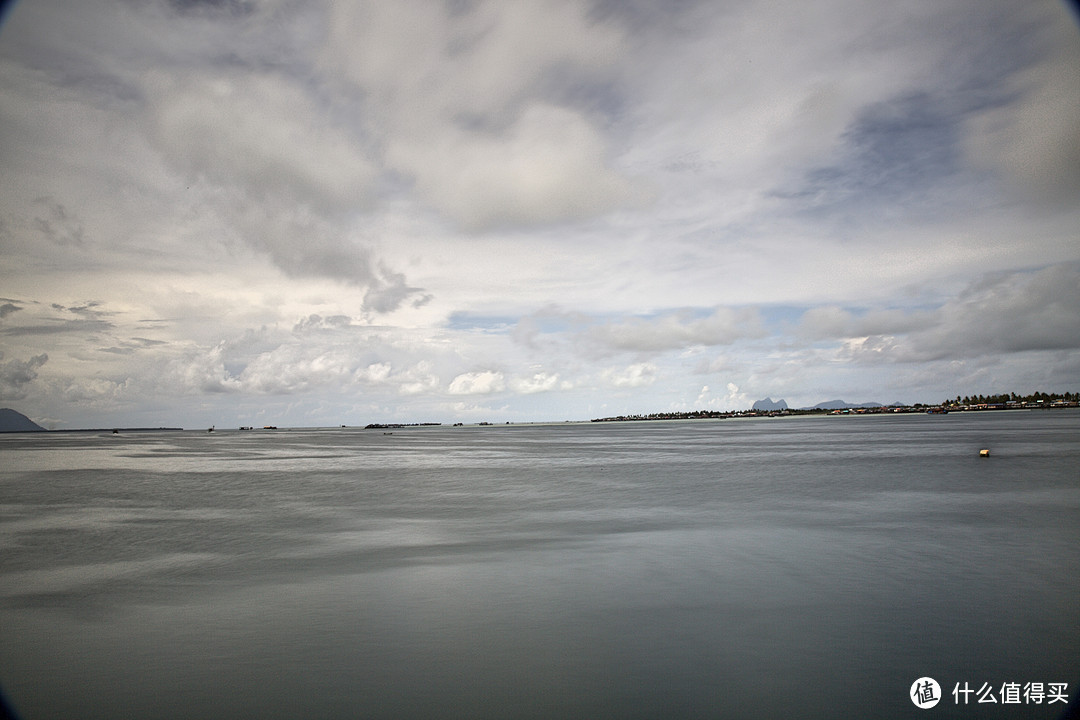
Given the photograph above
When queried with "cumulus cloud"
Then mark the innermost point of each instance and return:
(732, 399)
(95, 392)
(374, 373)
(535, 383)
(631, 376)
(477, 383)
(735, 398)
(315, 322)
(293, 368)
(202, 371)
(16, 375)
(420, 378)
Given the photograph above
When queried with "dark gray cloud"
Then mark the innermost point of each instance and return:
(55, 327)
(132, 345)
(1009, 313)
(58, 225)
(910, 157)
(389, 291)
(236, 8)
(8, 308)
(88, 310)
(896, 153)
(86, 318)
(996, 315)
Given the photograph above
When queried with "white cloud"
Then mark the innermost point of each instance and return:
(373, 373)
(477, 383)
(417, 379)
(201, 371)
(295, 368)
(535, 383)
(631, 376)
(734, 398)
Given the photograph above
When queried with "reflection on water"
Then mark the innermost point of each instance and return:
(804, 567)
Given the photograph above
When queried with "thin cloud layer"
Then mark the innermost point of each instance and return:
(344, 212)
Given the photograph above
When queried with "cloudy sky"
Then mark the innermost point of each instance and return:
(322, 212)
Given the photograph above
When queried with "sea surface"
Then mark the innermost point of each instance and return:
(770, 568)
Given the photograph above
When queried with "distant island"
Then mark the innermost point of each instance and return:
(779, 408)
(12, 421)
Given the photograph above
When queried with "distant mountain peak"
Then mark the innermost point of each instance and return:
(768, 405)
(842, 405)
(12, 421)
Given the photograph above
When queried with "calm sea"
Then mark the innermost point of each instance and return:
(771, 568)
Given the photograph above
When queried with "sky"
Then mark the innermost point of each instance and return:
(320, 212)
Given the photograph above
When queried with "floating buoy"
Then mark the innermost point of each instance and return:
(984, 453)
